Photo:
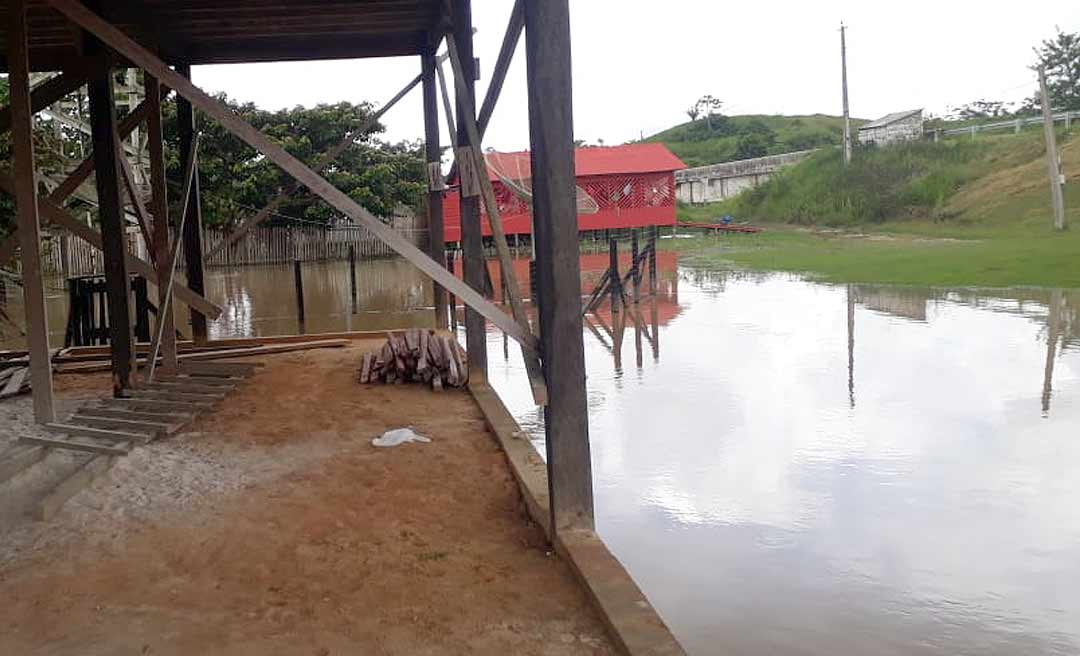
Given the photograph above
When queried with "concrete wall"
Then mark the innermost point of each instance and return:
(908, 129)
(716, 182)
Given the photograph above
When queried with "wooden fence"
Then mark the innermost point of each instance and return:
(67, 255)
(310, 244)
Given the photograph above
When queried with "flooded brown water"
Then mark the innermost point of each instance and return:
(797, 468)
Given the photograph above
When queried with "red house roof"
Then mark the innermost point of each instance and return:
(604, 160)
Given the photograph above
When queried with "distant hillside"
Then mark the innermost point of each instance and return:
(996, 179)
(729, 138)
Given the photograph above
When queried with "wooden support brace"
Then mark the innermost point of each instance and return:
(506, 264)
(57, 215)
(142, 216)
(123, 44)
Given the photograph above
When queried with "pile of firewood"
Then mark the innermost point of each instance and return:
(418, 356)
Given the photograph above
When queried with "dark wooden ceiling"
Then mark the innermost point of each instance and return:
(233, 31)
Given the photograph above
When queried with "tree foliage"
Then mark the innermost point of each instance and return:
(236, 181)
(1061, 57)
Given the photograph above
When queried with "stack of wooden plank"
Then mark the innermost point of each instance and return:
(417, 356)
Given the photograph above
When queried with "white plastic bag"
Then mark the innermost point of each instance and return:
(397, 437)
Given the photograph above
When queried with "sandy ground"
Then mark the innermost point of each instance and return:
(274, 527)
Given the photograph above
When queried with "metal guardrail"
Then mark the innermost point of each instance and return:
(1015, 125)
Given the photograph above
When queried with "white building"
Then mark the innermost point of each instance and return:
(893, 128)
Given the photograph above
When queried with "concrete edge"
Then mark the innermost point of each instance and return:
(632, 622)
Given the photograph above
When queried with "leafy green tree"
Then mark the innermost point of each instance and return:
(1061, 56)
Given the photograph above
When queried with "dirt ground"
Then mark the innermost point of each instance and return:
(320, 544)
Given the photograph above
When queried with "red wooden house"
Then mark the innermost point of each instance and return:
(633, 185)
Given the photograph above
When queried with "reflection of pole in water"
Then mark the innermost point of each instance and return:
(637, 334)
(851, 345)
(1053, 330)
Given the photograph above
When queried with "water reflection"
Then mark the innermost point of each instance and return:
(772, 497)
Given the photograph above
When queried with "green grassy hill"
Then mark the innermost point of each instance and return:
(995, 179)
(728, 138)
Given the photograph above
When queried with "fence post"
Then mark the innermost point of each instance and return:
(299, 280)
(653, 286)
(616, 279)
(352, 276)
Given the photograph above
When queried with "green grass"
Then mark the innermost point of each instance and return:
(951, 215)
(698, 144)
(979, 259)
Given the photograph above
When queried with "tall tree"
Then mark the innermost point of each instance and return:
(1061, 57)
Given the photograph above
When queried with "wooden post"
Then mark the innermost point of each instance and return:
(616, 277)
(298, 278)
(352, 278)
(451, 299)
(433, 153)
(1052, 162)
(193, 229)
(851, 345)
(635, 269)
(653, 286)
(159, 207)
(26, 201)
(551, 134)
(472, 241)
(111, 216)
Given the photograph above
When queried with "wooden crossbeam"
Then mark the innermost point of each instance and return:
(55, 88)
(142, 216)
(337, 199)
(57, 215)
(151, 428)
(80, 174)
(167, 395)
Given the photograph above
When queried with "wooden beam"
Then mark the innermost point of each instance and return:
(502, 66)
(321, 165)
(113, 225)
(472, 240)
(191, 232)
(55, 88)
(79, 480)
(275, 153)
(19, 457)
(506, 260)
(142, 216)
(80, 174)
(26, 213)
(57, 215)
(159, 207)
(433, 157)
(551, 134)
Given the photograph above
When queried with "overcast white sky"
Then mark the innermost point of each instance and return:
(639, 64)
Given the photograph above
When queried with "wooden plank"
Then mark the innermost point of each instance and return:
(221, 369)
(188, 388)
(79, 480)
(24, 189)
(550, 93)
(14, 383)
(265, 350)
(136, 415)
(206, 381)
(164, 395)
(18, 458)
(433, 157)
(340, 201)
(117, 443)
(152, 429)
(156, 405)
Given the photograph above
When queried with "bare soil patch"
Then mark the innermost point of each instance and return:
(274, 527)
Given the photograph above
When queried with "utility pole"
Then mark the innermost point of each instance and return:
(1052, 162)
(847, 115)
